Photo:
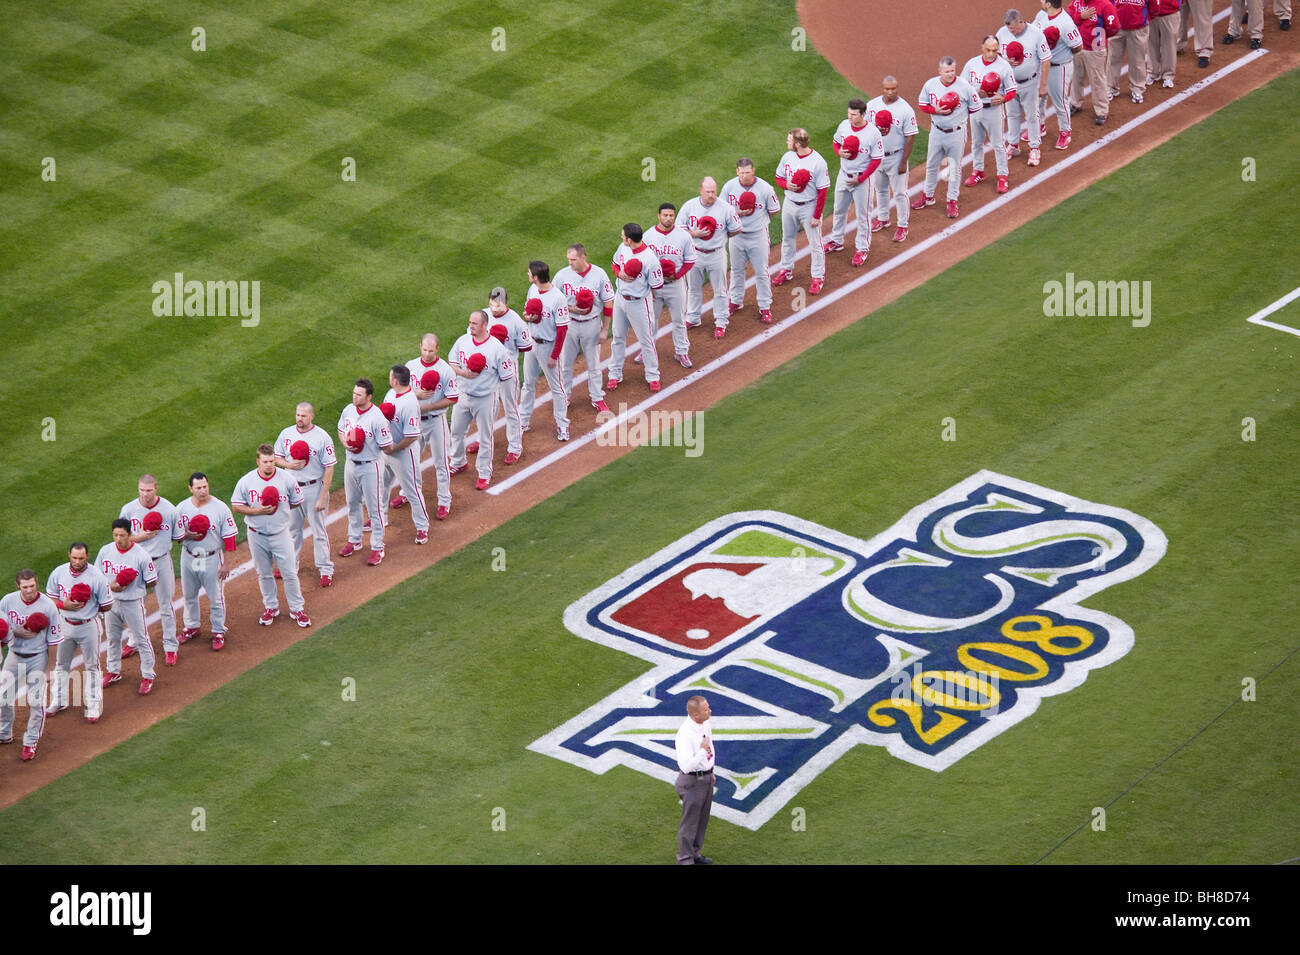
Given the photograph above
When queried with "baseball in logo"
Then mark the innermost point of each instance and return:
(928, 640)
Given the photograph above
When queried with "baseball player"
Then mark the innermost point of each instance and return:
(205, 528)
(1026, 50)
(861, 149)
(130, 572)
(547, 311)
(898, 135)
(1097, 22)
(364, 430)
(755, 204)
(481, 363)
(991, 77)
(308, 450)
(435, 387)
(591, 308)
(505, 325)
(710, 223)
(403, 465)
(803, 174)
(637, 274)
(31, 624)
(1063, 39)
(949, 100)
(1130, 44)
(81, 593)
(265, 496)
(152, 520)
(676, 251)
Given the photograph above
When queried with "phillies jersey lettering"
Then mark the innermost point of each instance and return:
(61, 581)
(871, 146)
(15, 611)
(675, 245)
(500, 365)
(694, 209)
(568, 281)
(406, 420)
(977, 67)
(818, 175)
(651, 277)
(161, 543)
(249, 491)
(110, 560)
(765, 204)
(320, 450)
(1036, 50)
(934, 90)
(373, 424)
(555, 313)
(221, 525)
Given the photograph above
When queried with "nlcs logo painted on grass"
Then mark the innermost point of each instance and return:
(802, 637)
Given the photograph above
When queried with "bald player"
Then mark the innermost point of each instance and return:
(481, 363)
(152, 520)
(591, 309)
(755, 203)
(991, 77)
(898, 135)
(949, 100)
(1026, 51)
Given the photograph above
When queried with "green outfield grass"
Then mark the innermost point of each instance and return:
(227, 165)
(459, 669)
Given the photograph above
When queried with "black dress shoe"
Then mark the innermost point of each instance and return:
(1075, 110)
(1202, 61)
(1256, 44)
(703, 860)
(1229, 38)
(1285, 24)
(1100, 121)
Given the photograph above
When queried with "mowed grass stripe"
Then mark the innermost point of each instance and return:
(1092, 407)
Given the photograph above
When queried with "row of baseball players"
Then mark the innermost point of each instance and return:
(1025, 65)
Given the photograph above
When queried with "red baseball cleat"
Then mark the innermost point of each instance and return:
(188, 634)
(29, 752)
(146, 687)
(422, 537)
(612, 384)
(815, 286)
(218, 641)
(720, 332)
(654, 386)
(348, 549)
(398, 502)
(832, 246)
(782, 276)
(442, 513)
(300, 617)
(734, 307)
(765, 314)
(878, 224)
(128, 652)
(268, 617)
(1003, 185)
(952, 208)
(1063, 141)
(376, 558)
(326, 580)
(482, 484)
(471, 448)
(601, 408)
(169, 658)
(110, 678)
(975, 178)
(860, 257)
(922, 201)
(901, 234)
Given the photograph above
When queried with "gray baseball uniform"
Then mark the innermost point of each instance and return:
(1060, 69)
(518, 340)
(887, 178)
(363, 471)
(710, 258)
(750, 246)
(433, 424)
(676, 246)
(80, 630)
(545, 333)
(584, 327)
(403, 467)
(632, 297)
(802, 206)
(269, 538)
(849, 187)
(320, 455)
(947, 133)
(986, 124)
(159, 549)
(25, 664)
(477, 395)
(127, 612)
(201, 561)
(1024, 107)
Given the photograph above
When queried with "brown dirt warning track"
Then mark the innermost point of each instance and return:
(749, 351)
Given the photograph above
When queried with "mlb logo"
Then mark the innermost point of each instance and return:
(926, 641)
